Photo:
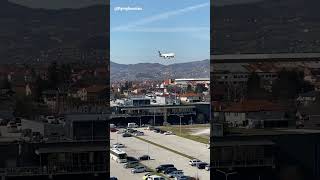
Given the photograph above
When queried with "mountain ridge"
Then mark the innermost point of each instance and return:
(156, 71)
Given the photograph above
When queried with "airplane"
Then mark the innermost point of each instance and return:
(166, 55)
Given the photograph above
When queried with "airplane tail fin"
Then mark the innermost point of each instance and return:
(159, 53)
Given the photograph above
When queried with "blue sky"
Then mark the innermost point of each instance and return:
(179, 26)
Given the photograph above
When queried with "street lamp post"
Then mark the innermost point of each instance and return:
(140, 121)
(154, 117)
(180, 123)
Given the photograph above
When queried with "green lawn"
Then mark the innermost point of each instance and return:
(187, 130)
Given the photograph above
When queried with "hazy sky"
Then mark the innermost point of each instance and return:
(181, 26)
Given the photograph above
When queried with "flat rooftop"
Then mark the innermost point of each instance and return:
(270, 132)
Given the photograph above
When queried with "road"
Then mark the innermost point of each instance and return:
(183, 145)
(136, 147)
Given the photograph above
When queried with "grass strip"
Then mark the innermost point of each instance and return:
(186, 133)
(166, 148)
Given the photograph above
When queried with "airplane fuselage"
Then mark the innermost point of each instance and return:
(166, 55)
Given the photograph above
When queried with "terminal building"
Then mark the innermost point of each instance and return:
(76, 149)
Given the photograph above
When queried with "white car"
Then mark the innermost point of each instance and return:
(139, 169)
(194, 162)
(138, 133)
(118, 145)
(52, 120)
(155, 177)
(168, 133)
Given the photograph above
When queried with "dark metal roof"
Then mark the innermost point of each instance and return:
(243, 143)
(270, 57)
(58, 149)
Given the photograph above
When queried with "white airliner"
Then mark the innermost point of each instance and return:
(166, 55)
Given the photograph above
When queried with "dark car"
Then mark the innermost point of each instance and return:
(156, 130)
(126, 135)
(201, 165)
(169, 170)
(162, 131)
(113, 130)
(144, 157)
(18, 120)
(163, 167)
(113, 178)
(132, 159)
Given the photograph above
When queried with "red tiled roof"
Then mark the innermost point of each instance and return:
(189, 94)
(95, 88)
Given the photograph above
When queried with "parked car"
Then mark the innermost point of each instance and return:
(183, 178)
(144, 157)
(168, 133)
(113, 130)
(51, 119)
(138, 133)
(162, 131)
(169, 170)
(139, 169)
(177, 173)
(208, 167)
(131, 164)
(132, 159)
(194, 162)
(163, 167)
(156, 130)
(150, 128)
(61, 119)
(118, 145)
(145, 177)
(113, 178)
(126, 135)
(3, 122)
(155, 177)
(18, 119)
(12, 127)
(201, 165)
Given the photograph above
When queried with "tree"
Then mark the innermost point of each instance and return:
(254, 89)
(200, 88)
(5, 84)
(289, 84)
(53, 75)
(65, 73)
(39, 86)
(23, 107)
(189, 88)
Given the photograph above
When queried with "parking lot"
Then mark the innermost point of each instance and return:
(121, 173)
(136, 148)
(183, 145)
